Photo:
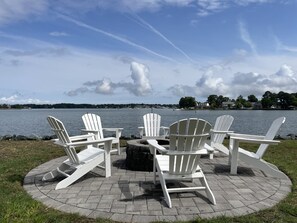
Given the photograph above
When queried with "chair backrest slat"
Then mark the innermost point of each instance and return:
(271, 133)
(185, 138)
(60, 131)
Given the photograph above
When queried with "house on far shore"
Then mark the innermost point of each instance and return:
(257, 105)
(202, 105)
(228, 105)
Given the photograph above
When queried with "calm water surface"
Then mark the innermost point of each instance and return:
(29, 122)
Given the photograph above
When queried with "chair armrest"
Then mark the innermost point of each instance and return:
(80, 137)
(255, 140)
(90, 142)
(118, 131)
(246, 136)
(154, 144)
(112, 129)
(90, 131)
(221, 132)
(199, 152)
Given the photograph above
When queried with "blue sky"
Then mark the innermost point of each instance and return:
(148, 51)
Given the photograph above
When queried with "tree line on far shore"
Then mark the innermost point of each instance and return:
(269, 100)
(85, 106)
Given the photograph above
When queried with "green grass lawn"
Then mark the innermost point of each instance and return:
(17, 158)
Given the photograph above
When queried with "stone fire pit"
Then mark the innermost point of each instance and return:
(139, 156)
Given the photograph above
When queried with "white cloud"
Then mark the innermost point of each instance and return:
(9, 99)
(253, 83)
(246, 78)
(284, 78)
(15, 10)
(285, 71)
(211, 83)
(240, 83)
(104, 87)
(140, 85)
(18, 99)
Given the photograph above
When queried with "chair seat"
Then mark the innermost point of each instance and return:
(163, 162)
(89, 154)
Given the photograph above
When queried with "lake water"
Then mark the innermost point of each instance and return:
(33, 121)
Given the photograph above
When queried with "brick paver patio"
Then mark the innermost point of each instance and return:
(131, 196)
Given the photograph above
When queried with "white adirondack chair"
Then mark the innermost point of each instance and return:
(152, 127)
(255, 159)
(181, 162)
(218, 134)
(93, 125)
(81, 162)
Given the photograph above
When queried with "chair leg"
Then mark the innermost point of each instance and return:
(265, 167)
(54, 173)
(72, 178)
(270, 169)
(107, 146)
(119, 148)
(80, 172)
(208, 191)
(165, 191)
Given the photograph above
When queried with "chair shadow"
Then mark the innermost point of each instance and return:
(225, 169)
(150, 191)
(155, 192)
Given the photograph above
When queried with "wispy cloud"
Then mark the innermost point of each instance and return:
(17, 10)
(12, 11)
(157, 32)
(113, 36)
(207, 7)
(245, 36)
(281, 46)
(58, 34)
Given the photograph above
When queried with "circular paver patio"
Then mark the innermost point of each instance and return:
(131, 196)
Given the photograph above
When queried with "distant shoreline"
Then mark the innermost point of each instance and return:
(120, 106)
(44, 138)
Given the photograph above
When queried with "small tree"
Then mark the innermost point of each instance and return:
(252, 98)
(212, 100)
(187, 102)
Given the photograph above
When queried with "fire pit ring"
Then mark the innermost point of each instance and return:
(138, 156)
